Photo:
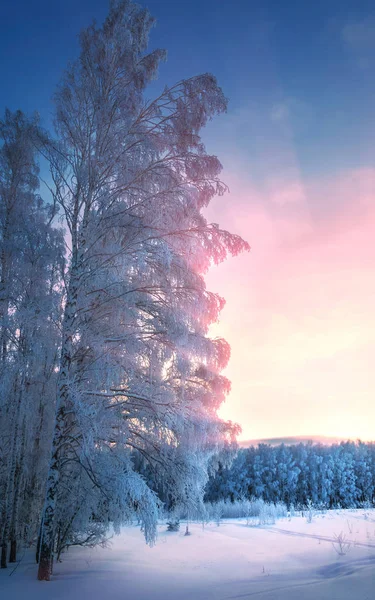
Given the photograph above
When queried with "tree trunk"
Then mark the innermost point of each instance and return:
(48, 519)
(37, 552)
(14, 527)
(4, 548)
(45, 563)
(46, 544)
(13, 550)
(4, 291)
(9, 488)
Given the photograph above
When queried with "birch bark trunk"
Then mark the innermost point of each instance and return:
(62, 408)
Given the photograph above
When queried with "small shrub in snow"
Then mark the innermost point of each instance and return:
(321, 508)
(309, 512)
(173, 525)
(216, 512)
(341, 543)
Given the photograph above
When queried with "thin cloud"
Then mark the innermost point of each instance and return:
(293, 113)
(360, 35)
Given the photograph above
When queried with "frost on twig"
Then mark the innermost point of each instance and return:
(341, 544)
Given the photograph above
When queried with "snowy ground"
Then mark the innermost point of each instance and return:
(291, 560)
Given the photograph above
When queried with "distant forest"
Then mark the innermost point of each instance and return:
(340, 475)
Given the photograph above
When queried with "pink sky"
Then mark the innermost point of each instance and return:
(300, 312)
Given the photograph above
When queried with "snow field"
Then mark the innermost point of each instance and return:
(290, 560)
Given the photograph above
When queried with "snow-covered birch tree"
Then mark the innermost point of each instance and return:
(30, 254)
(137, 368)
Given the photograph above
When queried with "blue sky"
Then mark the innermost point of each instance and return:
(298, 150)
(301, 57)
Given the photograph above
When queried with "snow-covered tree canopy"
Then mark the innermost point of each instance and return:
(105, 347)
(338, 475)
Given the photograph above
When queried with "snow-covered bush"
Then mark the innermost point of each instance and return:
(256, 511)
(309, 512)
(173, 525)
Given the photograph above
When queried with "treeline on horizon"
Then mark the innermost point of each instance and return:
(339, 475)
